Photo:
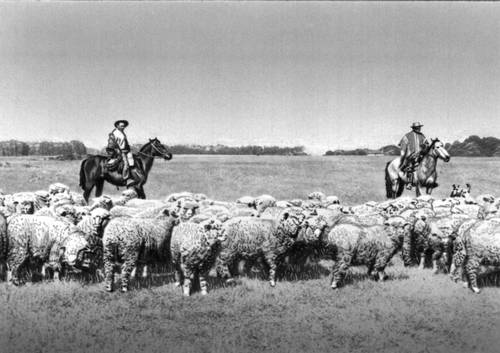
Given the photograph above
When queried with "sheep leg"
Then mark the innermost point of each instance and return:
(15, 262)
(435, 258)
(127, 267)
(222, 268)
(188, 276)
(203, 283)
(271, 262)
(178, 274)
(422, 261)
(339, 269)
(380, 264)
(109, 268)
(471, 267)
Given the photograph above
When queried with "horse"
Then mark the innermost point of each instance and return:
(92, 172)
(425, 174)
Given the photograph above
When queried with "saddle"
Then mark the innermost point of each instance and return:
(113, 164)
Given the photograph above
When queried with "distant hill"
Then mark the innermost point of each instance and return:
(472, 146)
(475, 146)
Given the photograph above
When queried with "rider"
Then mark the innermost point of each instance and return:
(411, 146)
(118, 145)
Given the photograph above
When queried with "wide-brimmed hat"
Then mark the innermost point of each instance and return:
(121, 121)
(416, 124)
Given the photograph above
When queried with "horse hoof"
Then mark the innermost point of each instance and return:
(476, 290)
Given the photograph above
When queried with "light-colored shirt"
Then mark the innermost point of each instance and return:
(120, 138)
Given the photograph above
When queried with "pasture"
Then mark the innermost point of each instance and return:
(414, 311)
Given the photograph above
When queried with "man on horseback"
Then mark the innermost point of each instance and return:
(412, 145)
(118, 147)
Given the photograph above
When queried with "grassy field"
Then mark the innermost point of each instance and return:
(353, 179)
(414, 311)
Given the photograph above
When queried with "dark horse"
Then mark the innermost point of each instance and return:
(91, 170)
(425, 174)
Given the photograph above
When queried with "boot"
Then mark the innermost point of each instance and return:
(402, 176)
(126, 171)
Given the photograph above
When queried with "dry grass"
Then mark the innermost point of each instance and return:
(414, 311)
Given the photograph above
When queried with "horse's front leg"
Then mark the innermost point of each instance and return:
(418, 192)
(395, 187)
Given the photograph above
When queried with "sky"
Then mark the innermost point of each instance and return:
(325, 75)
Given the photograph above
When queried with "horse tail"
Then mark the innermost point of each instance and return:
(83, 179)
(388, 182)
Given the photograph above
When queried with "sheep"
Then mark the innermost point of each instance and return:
(435, 236)
(249, 201)
(63, 212)
(184, 194)
(103, 201)
(129, 241)
(194, 247)
(331, 200)
(317, 195)
(127, 195)
(187, 208)
(373, 246)
(478, 245)
(264, 201)
(124, 211)
(141, 203)
(473, 211)
(43, 241)
(251, 237)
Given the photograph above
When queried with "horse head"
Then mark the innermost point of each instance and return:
(159, 150)
(437, 149)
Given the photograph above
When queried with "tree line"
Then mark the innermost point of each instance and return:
(69, 150)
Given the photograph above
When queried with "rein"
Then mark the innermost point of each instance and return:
(151, 155)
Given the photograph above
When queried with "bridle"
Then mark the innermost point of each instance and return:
(151, 155)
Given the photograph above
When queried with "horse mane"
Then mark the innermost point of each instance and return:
(147, 144)
(430, 147)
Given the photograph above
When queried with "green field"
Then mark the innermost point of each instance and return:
(414, 311)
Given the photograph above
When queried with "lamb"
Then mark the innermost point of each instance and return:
(128, 241)
(194, 247)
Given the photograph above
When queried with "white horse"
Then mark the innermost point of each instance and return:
(425, 175)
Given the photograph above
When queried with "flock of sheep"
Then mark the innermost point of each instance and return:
(55, 233)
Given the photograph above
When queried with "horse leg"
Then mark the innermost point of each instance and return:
(99, 185)
(86, 192)
(140, 192)
(418, 192)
